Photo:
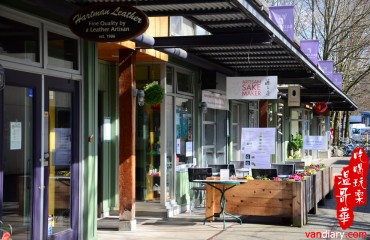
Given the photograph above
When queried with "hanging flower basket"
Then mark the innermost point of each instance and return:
(154, 93)
(320, 107)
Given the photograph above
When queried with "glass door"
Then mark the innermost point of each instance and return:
(18, 153)
(61, 166)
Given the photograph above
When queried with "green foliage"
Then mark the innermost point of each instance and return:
(296, 143)
(6, 228)
(154, 93)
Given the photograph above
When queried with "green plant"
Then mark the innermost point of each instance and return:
(6, 231)
(295, 143)
(154, 93)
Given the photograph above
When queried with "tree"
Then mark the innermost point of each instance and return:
(343, 27)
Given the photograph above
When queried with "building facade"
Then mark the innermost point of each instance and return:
(76, 146)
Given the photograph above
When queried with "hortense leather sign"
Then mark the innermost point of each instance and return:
(108, 22)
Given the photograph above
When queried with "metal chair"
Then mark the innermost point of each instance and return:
(197, 190)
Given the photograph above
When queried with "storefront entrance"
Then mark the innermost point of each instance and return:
(39, 152)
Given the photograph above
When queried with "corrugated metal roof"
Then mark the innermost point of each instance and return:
(245, 42)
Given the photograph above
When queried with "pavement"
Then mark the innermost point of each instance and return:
(322, 225)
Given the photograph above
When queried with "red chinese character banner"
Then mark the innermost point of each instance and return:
(350, 187)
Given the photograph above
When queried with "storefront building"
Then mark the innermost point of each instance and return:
(76, 144)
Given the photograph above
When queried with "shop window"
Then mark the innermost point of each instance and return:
(19, 40)
(243, 114)
(148, 145)
(300, 124)
(184, 83)
(180, 26)
(214, 136)
(170, 149)
(62, 51)
(184, 131)
(235, 131)
(253, 114)
(169, 79)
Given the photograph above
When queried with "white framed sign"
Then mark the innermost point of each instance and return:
(257, 160)
(258, 140)
(315, 143)
(258, 87)
(15, 135)
(215, 100)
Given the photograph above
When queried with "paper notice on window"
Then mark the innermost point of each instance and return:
(189, 149)
(15, 135)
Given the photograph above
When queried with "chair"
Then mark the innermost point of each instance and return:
(197, 190)
(264, 172)
(299, 166)
(284, 170)
(216, 168)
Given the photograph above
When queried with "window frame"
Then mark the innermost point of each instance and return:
(29, 21)
(56, 29)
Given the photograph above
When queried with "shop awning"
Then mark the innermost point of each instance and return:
(243, 42)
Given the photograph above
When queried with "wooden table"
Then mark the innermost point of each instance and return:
(223, 200)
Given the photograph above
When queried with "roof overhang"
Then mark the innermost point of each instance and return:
(243, 42)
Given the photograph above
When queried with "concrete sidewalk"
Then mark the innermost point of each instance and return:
(190, 226)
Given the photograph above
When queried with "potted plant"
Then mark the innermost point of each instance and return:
(154, 93)
(295, 144)
(6, 231)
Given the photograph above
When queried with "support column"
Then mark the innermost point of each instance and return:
(127, 120)
(263, 113)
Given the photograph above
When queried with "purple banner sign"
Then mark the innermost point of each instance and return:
(311, 49)
(327, 67)
(283, 17)
(338, 80)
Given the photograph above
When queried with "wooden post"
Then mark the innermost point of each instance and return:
(297, 204)
(127, 119)
(263, 113)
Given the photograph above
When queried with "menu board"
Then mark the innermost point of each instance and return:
(258, 140)
(257, 145)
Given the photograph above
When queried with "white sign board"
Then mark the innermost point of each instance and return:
(178, 146)
(257, 160)
(215, 100)
(224, 174)
(315, 143)
(257, 145)
(259, 87)
(258, 140)
(15, 135)
(189, 149)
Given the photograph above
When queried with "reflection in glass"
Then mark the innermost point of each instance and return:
(62, 51)
(169, 79)
(19, 40)
(184, 131)
(60, 122)
(209, 116)
(169, 147)
(18, 160)
(184, 82)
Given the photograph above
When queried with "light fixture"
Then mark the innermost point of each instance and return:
(203, 107)
(269, 41)
(140, 95)
(2, 77)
